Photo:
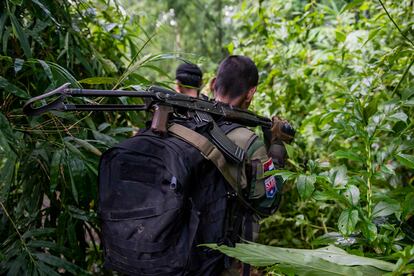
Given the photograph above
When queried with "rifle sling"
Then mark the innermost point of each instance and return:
(232, 151)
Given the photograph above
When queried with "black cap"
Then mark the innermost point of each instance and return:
(189, 75)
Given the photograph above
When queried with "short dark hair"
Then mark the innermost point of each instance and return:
(189, 75)
(235, 76)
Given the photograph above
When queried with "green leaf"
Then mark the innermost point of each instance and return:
(99, 80)
(323, 261)
(17, 265)
(352, 194)
(108, 140)
(88, 146)
(47, 270)
(340, 36)
(400, 116)
(17, 2)
(21, 36)
(384, 208)
(348, 154)
(340, 177)
(18, 65)
(305, 185)
(47, 70)
(46, 11)
(347, 221)
(55, 169)
(230, 48)
(39, 232)
(291, 151)
(369, 230)
(12, 89)
(72, 182)
(46, 244)
(59, 263)
(406, 160)
(63, 73)
(286, 175)
(334, 238)
(408, 205)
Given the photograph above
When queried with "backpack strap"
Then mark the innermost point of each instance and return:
(208, 149)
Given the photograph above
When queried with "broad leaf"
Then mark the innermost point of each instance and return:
(305, 185)
(352, 194)
(324, 261)
(384, 208)
(347, 221)
(369, 230)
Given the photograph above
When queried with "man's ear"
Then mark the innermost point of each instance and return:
(212, 84)
(250, 93)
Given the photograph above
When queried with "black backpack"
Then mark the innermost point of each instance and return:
(153, 213)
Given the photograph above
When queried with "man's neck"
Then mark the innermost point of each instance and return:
(189, 92)
(233, 102)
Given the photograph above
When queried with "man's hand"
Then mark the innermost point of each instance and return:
(282, 130)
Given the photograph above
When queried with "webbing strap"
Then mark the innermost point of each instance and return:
(208, 150)
(211, 153)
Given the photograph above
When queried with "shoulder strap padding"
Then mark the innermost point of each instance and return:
(242, 136)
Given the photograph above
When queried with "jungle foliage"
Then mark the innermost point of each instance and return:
(340, 71)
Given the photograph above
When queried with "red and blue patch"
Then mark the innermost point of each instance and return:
(270, 182)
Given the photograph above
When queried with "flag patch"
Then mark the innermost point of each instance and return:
(270, 182)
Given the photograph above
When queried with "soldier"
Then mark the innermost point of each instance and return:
(189, 79)
(235, 84)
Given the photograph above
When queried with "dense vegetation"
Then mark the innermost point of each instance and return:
(340, 71)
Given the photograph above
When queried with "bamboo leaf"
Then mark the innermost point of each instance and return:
(88, 146)
(59, 263)
(17, 265)
(99, 80)
(13, 89)
(55, 169)
(46, 11)
(39, 232)
(47, 270)
(47, 70)
(21, 36)
(63, 73)
(3, 18)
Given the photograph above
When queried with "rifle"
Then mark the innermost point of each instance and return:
(164, 103)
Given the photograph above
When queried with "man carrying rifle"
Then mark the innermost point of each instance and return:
(235, 84)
